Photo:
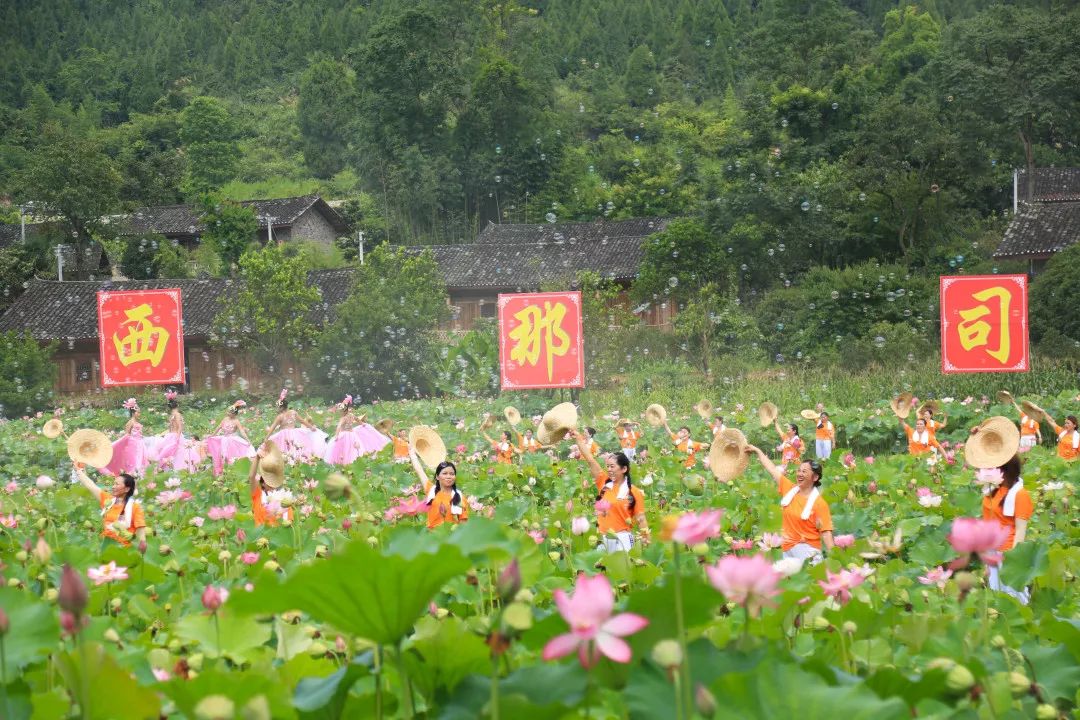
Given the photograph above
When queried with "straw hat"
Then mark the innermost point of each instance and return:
(996, 442)
(428, 445)
(384, 425)
(901, 405)
(704, 409)
(487, 422)
(1004, 396)
(53, 429)
(809, 414)
(272, 467)
(557, 421)
(1032, 410)
(931, 405)
(656, 415)
(90, 447)
(512, 415)
(767, 413)
(727, 455)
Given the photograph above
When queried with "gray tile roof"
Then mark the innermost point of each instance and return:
(186, 219)
(523, 257)
(1040, 229)
(12, 234)
(53, 310)
(1051, 184)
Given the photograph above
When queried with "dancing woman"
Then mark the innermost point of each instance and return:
(129, 451)
(230, 441)
(175, 451)
(1068, 435)
(353, 437)
(444, 500)
(120, 511)
(504, 448)
(298, 443)
(622, 504)
(684, 444)
(791, 445)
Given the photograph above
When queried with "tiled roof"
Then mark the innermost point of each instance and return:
(186, 219)
(12, 234)
(53, 310)
(1051, 184)
(1041, 229)
(523, 257)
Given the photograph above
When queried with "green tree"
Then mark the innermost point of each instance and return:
(383, 342)
(1054, 320)
(713, 325)
(151, 256)
(209, 136)
(230, 228)
(641, 83)
(327, 102)
(680, 261)
(272, 313)
(27, 375)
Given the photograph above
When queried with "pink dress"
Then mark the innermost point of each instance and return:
(129, 454)
(299, 444)
(347, 445)
(227, 447)
(179, 453)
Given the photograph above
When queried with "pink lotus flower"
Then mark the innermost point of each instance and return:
(748, 581)
(538, 536)
(409, 507)
(849, 461)
(579, 525)
(241, 536)
(161, 675)
(10, 521)
(311, 484)
(770, 541)
(971, 535)
(197, 521)
(593, 629)
(460, 449)
(602, 506)
(569, 506)
(924, 492)
(869, 459)
(693, 528)
(844, 541)
(747, 544)
(11, 487)
(214, 597)
(227, 512)
(871, 487)
(249, 558)
(44, 482)
(839, 585)
(107, 573)
(173, 482)
(937, 576)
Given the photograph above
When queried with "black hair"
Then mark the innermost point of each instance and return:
(683, 427)
(283, 404)
(132, 411)
(624, 463)
(234, 411)
(456, 500)
(794, 428)
(1072, 419)
(129, 483)
(1010, 473)
(591, 431)
(173, 404)
(507, 436)
(815, 468)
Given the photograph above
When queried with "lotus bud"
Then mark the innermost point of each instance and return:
(41, 523)
(337, 486)
(42, 551)
(5, 623)
(998, 642)
(821, 623)
(959, 680)
(1046, 712)
(1019, 684)
(214, 597)
(271, 566)
(509, 581)
(73, 593)
(195, 661)
(116, 604)
(112, 636)
(164, 550)
(700, 549)
(224, 556)
(667, 654)
(317, 649)
(525, 595)
(346, 524)
(21, 557)
(849, 628)
(172, 567)
(558, 524)
(142, 547)
(704, 700)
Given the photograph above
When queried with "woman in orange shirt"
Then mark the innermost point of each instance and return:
(824, 437)
(1030, 436)
(444, 500)
(1068, 435)
(504, 448)
(401, 446)
(791, 445)
(265, 481)
(920, 439)
(618, 503)
(684, 444)
(932, 425)
(528, 442)
(1007, 502)
(628, 438)
(806, 521)
(120, 512)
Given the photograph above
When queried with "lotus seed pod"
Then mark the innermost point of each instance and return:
(1046, 712)
(667, 654)
(850, 628)
(821, 623)
(959, 679)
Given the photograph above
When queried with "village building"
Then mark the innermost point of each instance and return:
(1046, 216)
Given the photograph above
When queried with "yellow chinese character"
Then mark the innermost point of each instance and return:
(975, 332)
(539, 327)
(144, 340)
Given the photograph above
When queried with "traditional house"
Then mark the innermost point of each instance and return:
(526, 258)
(307, 217)
(1046, 216)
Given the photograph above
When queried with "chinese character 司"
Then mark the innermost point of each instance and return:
(144, 340)
(975, 332)
(539, 327)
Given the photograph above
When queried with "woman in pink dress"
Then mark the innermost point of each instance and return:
(353, 437)
(129, 452)
(177, 452)
(299, 444)
(230, 441)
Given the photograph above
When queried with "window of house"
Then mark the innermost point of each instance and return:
(488, 309)
(83, 372)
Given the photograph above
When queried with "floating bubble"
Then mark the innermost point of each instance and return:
(805, 205)
(836, 106)
(551, 217)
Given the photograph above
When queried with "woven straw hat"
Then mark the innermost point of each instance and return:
(1004, 396)
(272, 467)
(90, 447)
(428, 445)
(557, 421)
(1032, 410)
(901, 405)
(809, 414)
(727, 455)
(704, 409)
(996, 442)
(767, 413)
(656, 415)
(931, 405)
(384, 425)
(53, 429)
(487, 422)
(513, 416)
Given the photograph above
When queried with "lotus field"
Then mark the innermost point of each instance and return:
(357, 610)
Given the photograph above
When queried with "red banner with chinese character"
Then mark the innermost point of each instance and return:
(141, 337)
(984, 323)
(540, 341)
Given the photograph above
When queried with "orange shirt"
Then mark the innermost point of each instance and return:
(530, 445)
(629, 438)
(933, 426)
(993, 510)
(1028, 426)
(688, 446)
(113, 513)
(825, 431)
(795, 529)
(617, 517)
(259, 512)
(1067, 443)
(791, 449)
(594, 448)
(441, 508)
(716, 426)
(920, 445)
(401, 448)
(504, 452)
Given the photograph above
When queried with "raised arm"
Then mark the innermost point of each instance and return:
(253, 474)
(86, 482)
(306, 422)
(488, 438)
(583, 448)
(776, 424)
(425, 482)
(242, 430)
(766, 462)
(943, 421)
(274, 425)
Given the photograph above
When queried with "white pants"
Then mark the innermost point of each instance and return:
(994, 581)
(629, 452)
(619, 541)
(809, 554)
(1028, 441)
(824, 449)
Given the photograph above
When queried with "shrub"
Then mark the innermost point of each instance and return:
(27, 375)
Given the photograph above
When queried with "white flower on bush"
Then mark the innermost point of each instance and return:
(946, 400)
(173, 482)
(44, 482)
(1051, 486)
(647, 480)
(532, 482)
(929, 501)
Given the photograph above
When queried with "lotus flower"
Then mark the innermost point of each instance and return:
(602, 506)
(844, 541)
(538, 536)
(214, 597)
(693, 528)
(747, 544)
(839, 585)
(937, 576)
(593, 629)
(107, 573)
(849, 461)
(249, 558)
(44, 482)
(748, 581)
(11, 487)
(971, 535)
(579, 525)
(227, 512)
(770, 541)
(9, 521)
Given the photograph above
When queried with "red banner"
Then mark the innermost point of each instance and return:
(141, 335)
(984, 323)
(540, 341)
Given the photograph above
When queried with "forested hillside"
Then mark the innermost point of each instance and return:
(797, 133)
